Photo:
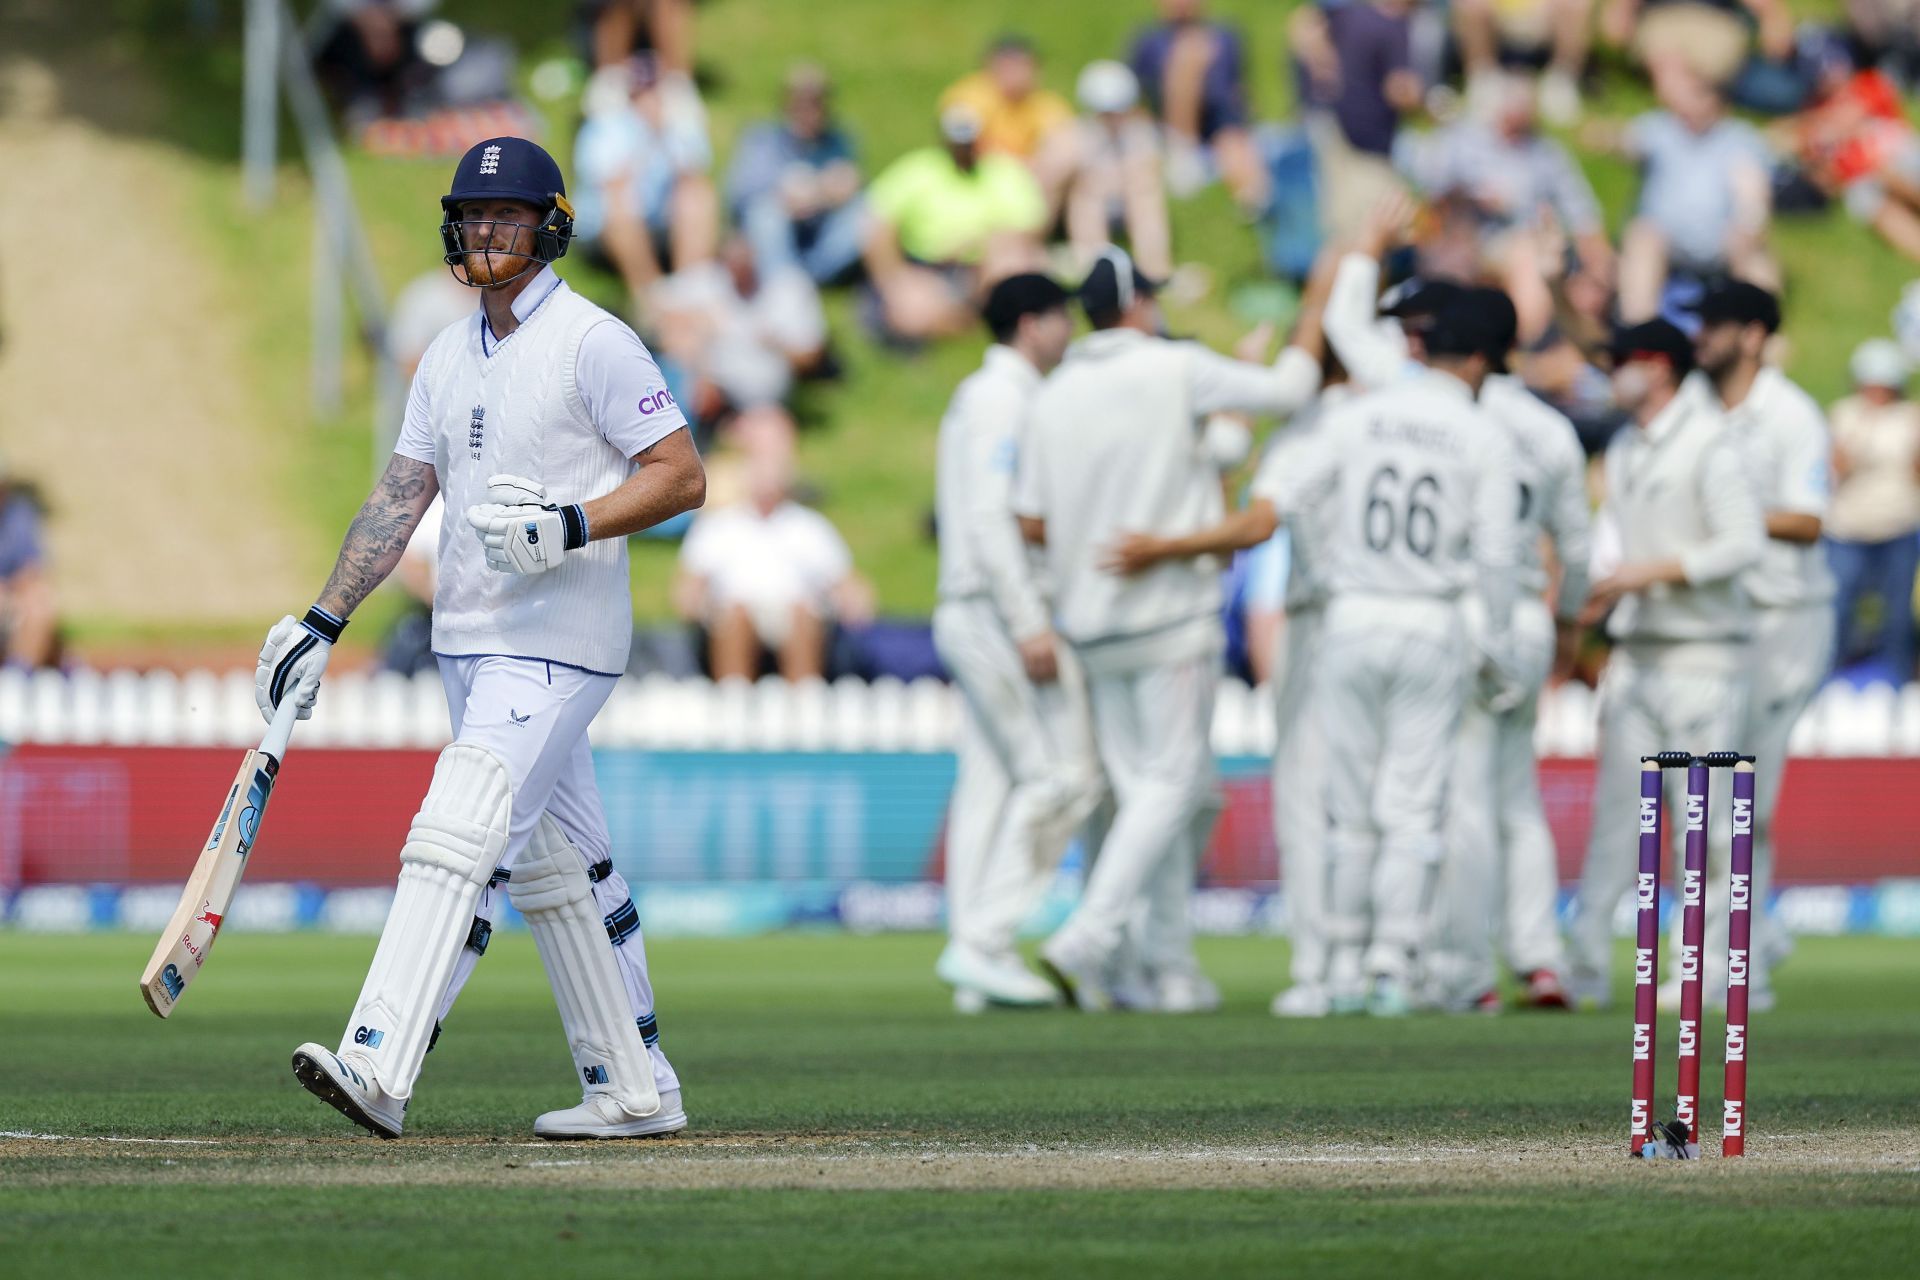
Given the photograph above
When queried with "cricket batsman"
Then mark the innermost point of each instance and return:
(548, 428)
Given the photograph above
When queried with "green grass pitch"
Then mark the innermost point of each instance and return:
(847, 1123)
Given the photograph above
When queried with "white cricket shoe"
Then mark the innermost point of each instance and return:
(1303, 1000)
(600, 1116)
(1082, 980)
(1185, 992)
(1390, 997)
(1002, 979)
(968, 1001)
(348, 1086)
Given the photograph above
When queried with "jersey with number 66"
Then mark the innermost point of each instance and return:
(1423, 487)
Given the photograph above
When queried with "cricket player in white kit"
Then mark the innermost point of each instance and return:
(1424, 485)
(1500, 851)
(546, 425)
(1027, 773)
(1781, 436)
(1679, 502)
(1115, 445)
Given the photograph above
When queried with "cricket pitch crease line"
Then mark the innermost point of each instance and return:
(30, 1135)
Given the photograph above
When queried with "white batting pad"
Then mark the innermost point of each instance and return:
(550, 888)
(457, 838)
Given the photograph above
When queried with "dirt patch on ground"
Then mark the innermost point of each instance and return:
(720, 1161)
(125, 396)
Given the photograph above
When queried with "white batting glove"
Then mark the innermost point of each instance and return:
(521, 533)
(293, 659)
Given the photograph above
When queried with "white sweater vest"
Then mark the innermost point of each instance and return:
(518, 412)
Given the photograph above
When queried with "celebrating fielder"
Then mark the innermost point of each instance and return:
(547, 426)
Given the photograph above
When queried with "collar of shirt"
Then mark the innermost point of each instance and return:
(1759, 398)
(543, 287)
(1679, 410)
(1004, 362)
(1446, 384)
(1103, 344)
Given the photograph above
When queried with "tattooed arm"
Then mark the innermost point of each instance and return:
(379, 533)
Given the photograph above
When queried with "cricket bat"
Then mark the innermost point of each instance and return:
(189, 936)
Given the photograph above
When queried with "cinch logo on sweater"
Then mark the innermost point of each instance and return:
(658, 401)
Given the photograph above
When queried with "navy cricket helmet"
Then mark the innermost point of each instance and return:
(508, 169)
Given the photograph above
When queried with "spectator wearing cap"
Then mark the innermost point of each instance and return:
(764, 577)
(943, 218)
(1509, 197)
(1687, 527)
(1353, 70)
(1027, 773)
(1705, 194)
(29, 634)
(1873, 525)
(1193, 73)
(794, 185)
(1116, 446)
(642, 163)
(1782, 439)
(1115, 188)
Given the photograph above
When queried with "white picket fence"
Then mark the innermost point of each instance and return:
(205, 708)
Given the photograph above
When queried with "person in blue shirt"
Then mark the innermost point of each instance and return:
(794, 187)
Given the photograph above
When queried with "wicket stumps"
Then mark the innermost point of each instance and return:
(1646, 962)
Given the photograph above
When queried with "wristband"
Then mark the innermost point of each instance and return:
(573, 520)
(323, 624)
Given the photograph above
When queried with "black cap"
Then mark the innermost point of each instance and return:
(1474, 322)
(1738, 302)
(1113, 284)
(1026, 294)
(507, 169)
(1416, 301)
(1656, 339)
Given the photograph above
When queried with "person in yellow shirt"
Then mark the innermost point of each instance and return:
(1018, 117)
(943, 221)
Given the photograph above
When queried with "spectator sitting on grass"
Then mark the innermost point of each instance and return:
(1743, 47)
(1506, 194)
(1705, 194)
(794, 186)
(742, 335)
(1353, 68)
(944, 218)
(1115, 187)
(1873, 524)
(765, 576)
(1855, 141)
(1193, 73)
(29, 632)
(1018, 117)
(1555, 34)
(643, 194)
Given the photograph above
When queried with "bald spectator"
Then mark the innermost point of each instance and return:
(944, 218)
(29, 635)
(766, 577)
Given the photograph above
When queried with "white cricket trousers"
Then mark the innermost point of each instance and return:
(1501, 875)
(1792, 655)
(533, 715)
(1392, 682)
(1678, 697)
(1154, 727)
(1026, 775)
(1299, 793)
